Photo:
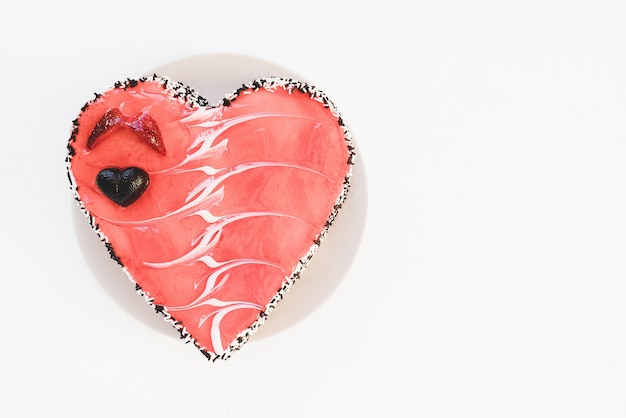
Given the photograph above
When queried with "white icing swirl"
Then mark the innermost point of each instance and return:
(200, 199)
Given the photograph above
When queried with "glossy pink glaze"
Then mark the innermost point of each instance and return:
(237, 201)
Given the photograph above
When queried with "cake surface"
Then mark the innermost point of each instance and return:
(213, 211)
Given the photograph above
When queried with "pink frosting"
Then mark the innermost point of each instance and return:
(238, 196)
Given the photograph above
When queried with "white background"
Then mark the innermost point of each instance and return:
(484, 275)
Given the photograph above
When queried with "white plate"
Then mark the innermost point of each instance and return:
(214, 76)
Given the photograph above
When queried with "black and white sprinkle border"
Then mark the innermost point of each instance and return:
(191, 98)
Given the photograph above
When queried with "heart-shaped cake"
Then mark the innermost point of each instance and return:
(213, 211)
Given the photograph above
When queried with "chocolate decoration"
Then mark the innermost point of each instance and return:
(123, 186)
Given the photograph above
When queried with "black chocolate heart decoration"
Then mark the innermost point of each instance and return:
(123, 186)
